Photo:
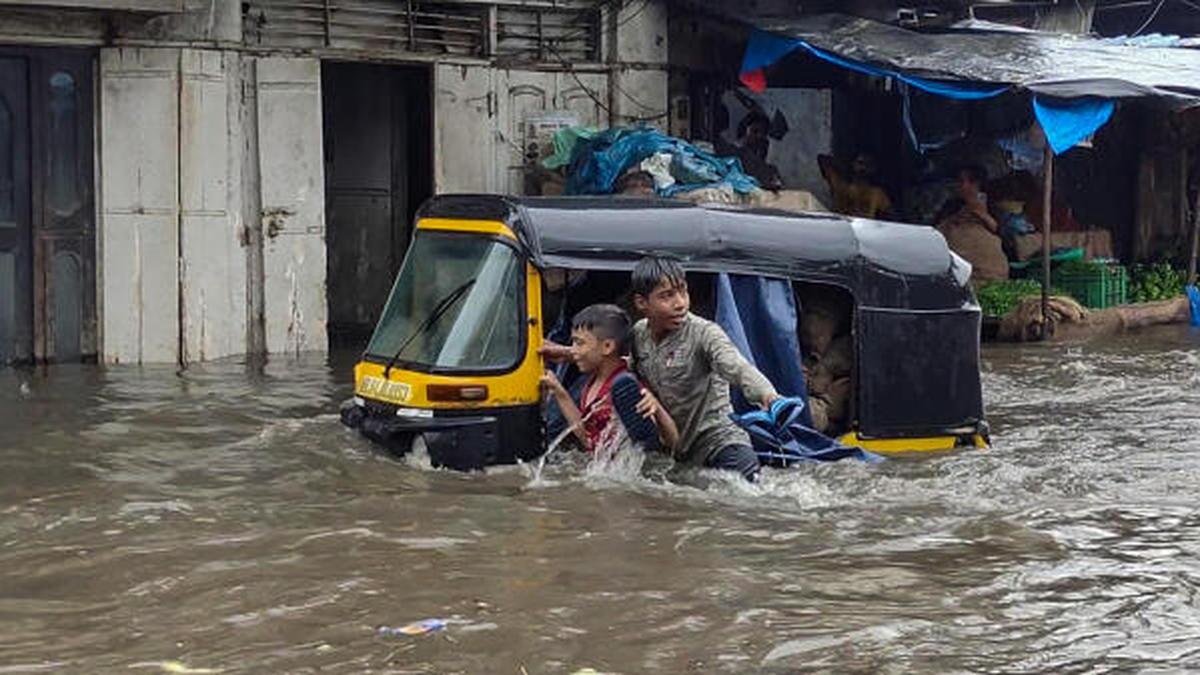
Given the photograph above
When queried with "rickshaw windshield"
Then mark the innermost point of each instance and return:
(456, 305)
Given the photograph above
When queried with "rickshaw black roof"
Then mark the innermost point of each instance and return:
(882, 264)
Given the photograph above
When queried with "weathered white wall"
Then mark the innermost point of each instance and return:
(638, 54)
(479, 111)
(292, 182)
(212, 267)
(522, 94)
(465, 118)
(139, 197)
(201, 23)
(200, 146)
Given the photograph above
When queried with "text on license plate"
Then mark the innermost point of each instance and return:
(385, 390)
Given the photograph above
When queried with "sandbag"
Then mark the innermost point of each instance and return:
(839, 400)
(838, 358)
(819, 409)
(798, 201)
(1024, 322)
(820, 379)
(824, 315)
(817, 330)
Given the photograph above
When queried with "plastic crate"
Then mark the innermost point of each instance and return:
(1097, 286)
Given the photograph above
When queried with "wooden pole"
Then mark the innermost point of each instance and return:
(1195, 232)
(1047, 205)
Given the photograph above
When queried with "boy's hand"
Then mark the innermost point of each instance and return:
(550, 383)
(648, 406)
(554, 352)
(769, 401)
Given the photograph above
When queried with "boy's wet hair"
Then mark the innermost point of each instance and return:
(651, 271)
(606, 322)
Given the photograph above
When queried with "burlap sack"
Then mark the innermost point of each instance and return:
(839, 400)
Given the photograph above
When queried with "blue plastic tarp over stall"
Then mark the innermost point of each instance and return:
(1074, 81)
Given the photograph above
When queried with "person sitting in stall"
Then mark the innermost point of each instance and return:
(856, 195)
(754, 144)
(973, 233)
(611, 395)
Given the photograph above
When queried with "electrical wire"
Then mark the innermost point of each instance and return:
(570, 69)
(1149, 19)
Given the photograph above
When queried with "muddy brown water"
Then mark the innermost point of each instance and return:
(224, 521)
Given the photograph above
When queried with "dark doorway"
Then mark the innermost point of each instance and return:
(378, 170)
(47, 206)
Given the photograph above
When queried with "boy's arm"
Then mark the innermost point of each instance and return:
(729, 363)
(569, 410)
(668, 433)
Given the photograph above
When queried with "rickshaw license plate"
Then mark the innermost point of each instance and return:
(386, 390)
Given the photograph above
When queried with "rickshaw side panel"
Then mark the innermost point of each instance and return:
(918, 372)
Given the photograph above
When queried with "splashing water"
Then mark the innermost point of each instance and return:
(617, 460)
(537, 469)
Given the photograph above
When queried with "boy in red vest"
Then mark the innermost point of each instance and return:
(611, 396)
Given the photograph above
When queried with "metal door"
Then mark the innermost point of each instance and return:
(292, 181)
(64, 212)
(47, 212)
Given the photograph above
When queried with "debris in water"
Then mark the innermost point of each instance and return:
(416, 628)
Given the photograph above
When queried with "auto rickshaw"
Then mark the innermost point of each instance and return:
(453, 363)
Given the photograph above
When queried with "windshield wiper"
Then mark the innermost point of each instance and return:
(438, 311)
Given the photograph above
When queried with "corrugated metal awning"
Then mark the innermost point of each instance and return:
(1058, 65)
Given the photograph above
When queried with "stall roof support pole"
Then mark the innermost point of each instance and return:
(1047, 205)
(1195, 231)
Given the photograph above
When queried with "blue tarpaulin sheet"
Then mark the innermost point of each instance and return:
(766, 48)
(1069, 122)
(781, 438)
(759, 316)
(1193, 294)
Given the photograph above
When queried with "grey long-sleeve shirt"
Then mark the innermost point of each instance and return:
(690, 371)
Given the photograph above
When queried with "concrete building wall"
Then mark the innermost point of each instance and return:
(638, 55)
(210, 167)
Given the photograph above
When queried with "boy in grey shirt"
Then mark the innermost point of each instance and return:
(688, 362)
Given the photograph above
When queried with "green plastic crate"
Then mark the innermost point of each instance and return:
(1096, 287)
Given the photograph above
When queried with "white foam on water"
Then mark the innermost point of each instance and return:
(418, 456)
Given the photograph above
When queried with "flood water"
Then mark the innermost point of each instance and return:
(218, 521)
